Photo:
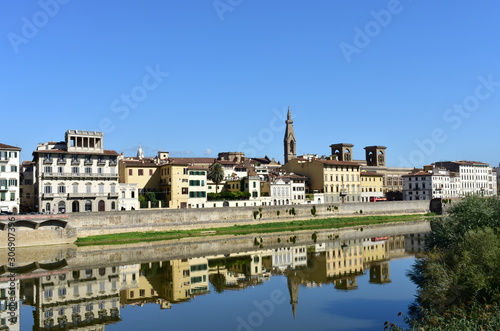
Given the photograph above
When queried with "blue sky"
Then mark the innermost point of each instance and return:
(200, 77)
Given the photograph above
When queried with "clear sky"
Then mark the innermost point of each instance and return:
(200, 77)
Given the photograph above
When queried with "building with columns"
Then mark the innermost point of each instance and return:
(75, 175)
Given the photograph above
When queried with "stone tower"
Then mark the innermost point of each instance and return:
(375, 156)
(342, 151)
(289, 140)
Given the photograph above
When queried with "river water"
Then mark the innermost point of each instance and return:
(325, 280)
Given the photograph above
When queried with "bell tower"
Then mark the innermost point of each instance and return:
(342, 151)
(289, 141)
(375, 156)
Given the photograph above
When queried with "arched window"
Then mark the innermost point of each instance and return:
(88, 205)
(113, 205)
(75, 207)
(61, 207)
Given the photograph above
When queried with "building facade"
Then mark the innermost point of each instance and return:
(475, 177)
(76, 175)
(9, 178)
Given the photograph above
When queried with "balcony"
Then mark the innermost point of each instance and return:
(113, 195)
(81, 195)
(70, 175)
(3, 188)
(46, 196)
(4, 160)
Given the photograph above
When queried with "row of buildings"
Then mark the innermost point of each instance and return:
(79, 175)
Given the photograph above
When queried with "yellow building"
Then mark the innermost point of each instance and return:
(372, 185)
(143, 172)
(338, 180)
(174, 181)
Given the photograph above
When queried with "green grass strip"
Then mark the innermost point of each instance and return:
(337, 222)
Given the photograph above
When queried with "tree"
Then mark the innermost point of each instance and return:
(457, 279)
(216, 174)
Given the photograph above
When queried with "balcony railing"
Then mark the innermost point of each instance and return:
(48, 196)
(78, 175)
(81, 195)
(113, 195)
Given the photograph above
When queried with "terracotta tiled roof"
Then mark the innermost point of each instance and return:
(4, 146)
(369, 173)
(420, 173)
(335, 162)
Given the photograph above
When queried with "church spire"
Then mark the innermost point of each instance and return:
(289, 139)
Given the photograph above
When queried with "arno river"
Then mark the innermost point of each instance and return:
(324, 280)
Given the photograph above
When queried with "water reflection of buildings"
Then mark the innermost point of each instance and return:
(82, 299)
(9, 305)
(89, 299)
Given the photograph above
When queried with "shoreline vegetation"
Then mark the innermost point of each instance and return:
(312, 224)
(458, 287)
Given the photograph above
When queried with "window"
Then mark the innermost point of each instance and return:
(141, 172)
(75, 188)
(88, 170)
(184, 190)
(47, 189)
(151, 172)
(101, 188)
(47, 169)
(75, 170)
(12, 196)
(13, 168)
(123, 194)
(132, 194)
(61, 189)
(88, 188)
(130, 172)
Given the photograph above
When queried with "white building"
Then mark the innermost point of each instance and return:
(76, 175)
(475, 177)
(435, 183)
(9, 178)
(197, 180)
(128, 199)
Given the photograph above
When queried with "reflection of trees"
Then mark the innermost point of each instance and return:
(218, 281)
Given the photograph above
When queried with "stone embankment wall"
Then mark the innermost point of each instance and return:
(35, 230)
(88, 224)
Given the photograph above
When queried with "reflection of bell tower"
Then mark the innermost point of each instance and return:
(375, 156)
(346, 283)
(342, 151)
(293, 288)
(289, 140)
(379, 273)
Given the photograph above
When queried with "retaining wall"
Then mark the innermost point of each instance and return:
(88, 224)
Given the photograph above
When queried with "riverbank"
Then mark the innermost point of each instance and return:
(312, 224)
